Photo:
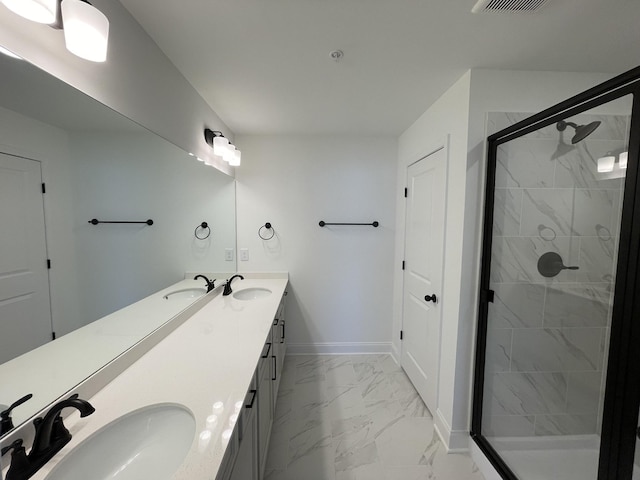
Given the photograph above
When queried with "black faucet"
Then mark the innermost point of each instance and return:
(51, 436)
(6, 424)
(210, 285)
(227, 286)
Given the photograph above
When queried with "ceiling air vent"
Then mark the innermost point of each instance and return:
(508, 6)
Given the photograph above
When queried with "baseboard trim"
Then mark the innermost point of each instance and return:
(395, 353)
(454, 441)
(338, 348)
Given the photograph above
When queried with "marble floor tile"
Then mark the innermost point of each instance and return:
(339, 371)
(355, 418)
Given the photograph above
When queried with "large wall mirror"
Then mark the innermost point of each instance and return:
(94, 163)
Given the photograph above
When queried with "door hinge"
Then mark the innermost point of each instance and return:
(53, 335)
(406, 192)
(487, 296)
(401, 335)
(403, 264)
(48, 263)
(44, 188)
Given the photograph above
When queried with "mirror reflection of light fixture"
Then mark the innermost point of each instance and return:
(607, 163)
(222, 147)
(41, 11)
(86, 29)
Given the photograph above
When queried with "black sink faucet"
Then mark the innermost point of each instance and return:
(210, 285)
(51, 436)
(227, 286)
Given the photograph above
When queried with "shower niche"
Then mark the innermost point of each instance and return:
(554, 395)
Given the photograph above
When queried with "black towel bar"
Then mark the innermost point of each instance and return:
(374, 224)
(95, 221)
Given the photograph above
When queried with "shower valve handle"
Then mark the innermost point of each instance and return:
(431, 298)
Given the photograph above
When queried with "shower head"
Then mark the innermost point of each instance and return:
(582, 131)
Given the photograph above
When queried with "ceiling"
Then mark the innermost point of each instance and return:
(264, 65)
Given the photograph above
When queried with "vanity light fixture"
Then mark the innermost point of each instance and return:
(222, 147)
(41, 11)
(86, 29)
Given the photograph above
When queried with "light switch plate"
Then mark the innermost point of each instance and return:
(244, 254)
(228, 254)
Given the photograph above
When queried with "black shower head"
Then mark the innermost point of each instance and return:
(582, 131)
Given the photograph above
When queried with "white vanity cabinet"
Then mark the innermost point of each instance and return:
(246, 465)
(248, 449)
(265, 401)
(279, 347)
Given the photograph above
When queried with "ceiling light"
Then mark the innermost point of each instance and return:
(9, 53)
(41, 11)
(605, 164)
(220, 145)
(86, 30)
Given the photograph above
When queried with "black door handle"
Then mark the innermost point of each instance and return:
(431, 298)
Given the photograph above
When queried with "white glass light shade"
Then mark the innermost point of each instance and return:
(220, 145)
(229, 153)
(605, 164)
(235, 161)
(86, 30)
(622, 160)
(41, 11)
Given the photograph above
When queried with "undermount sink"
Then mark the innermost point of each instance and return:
(185, 293)
(147, 443)
(251, 293)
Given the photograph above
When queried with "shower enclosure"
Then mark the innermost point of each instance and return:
(556, 392)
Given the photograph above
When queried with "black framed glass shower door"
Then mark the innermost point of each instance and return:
(558, 290)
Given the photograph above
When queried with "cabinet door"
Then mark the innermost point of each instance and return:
(246, 465)
(265, 408)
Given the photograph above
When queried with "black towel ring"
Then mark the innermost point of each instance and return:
(203, 226)
(268, 227)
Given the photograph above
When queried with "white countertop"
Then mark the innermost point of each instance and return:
(210, 358)
(52, 369)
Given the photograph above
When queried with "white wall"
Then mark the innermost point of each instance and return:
(137, 80)
(445, 122)
(461, 113)
(341, 277)
(136, 176)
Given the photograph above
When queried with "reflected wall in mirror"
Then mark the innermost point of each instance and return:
(95, 164)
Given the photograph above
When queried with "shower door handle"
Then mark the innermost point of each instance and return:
(431, 298)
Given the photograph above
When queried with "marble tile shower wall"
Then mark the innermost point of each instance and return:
(548, 336)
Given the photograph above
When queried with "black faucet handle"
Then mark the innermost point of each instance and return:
(6, 423)
(19, 459)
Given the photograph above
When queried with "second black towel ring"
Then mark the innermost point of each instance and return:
(202, 226)
(266, 226)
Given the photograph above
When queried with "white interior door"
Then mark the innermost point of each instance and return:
(424, 260)
(25, 310)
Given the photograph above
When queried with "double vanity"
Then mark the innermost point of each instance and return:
(192, 401)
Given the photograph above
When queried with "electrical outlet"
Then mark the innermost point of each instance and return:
(244, 254)
(228, 254)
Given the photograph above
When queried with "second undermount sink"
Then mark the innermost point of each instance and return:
(147, 443)
(187, 293)
(251, 293)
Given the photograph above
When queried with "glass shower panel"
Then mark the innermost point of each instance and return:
(557, 211)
